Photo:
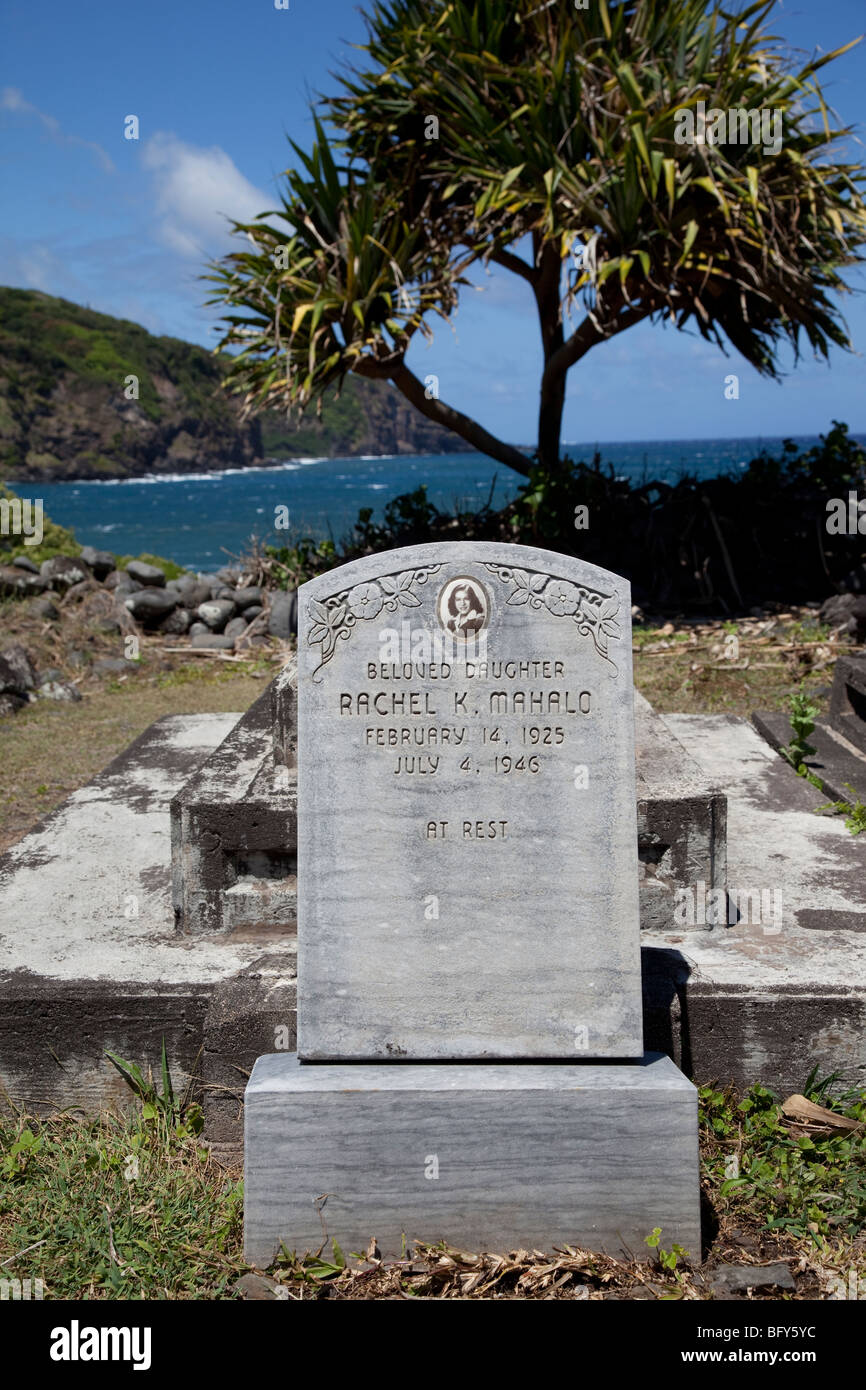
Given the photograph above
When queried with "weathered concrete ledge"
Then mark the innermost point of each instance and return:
(91, 960)
(848, 699)
(681, 819)
(839, 760)
(780, 984)
(234, 828)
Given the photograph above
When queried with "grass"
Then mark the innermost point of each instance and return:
(51, 748)
(168, 567)
(118, 1207)
(132, 1206)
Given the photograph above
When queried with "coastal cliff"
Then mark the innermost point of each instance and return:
(65, 413)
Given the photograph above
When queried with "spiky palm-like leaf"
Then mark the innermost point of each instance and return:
(559, 125)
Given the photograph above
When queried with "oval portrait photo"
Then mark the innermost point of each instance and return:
(463, 606)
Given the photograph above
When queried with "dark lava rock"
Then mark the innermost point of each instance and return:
(216, 613)
(212, 640)
(86, 586)
(177, 623)
(150, 606)
(61, 571)
(214, 584)
(126, 587)
(43, 608)
(258, 1287)
(235, 627)
(11, 704)
(193, 592)
(22, 562)
(113, 666)
(146, 574)
(100, 561)
(846, 610)
(246, 598)
(17, 675)
(59, 690)
(20, 583)
(283, 619)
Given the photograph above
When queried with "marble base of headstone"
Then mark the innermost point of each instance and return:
(485, 1156)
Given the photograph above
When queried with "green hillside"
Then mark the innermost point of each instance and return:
(64, 412)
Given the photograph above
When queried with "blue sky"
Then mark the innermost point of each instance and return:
(125, 226)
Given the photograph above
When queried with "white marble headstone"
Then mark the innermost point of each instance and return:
(467, 857)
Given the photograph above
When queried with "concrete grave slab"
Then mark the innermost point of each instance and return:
(838, 763)
(848, 700)
(839, 759)
(234, 831)
(781, 987)
(681, 817)
(90, 958)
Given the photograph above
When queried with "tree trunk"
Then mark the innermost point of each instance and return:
(552, 399)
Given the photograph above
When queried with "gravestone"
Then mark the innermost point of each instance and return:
(467, 846)
(467, 906)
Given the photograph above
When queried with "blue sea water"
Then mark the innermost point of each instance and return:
(202, 520)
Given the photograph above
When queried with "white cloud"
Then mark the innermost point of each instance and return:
(197, 190)
(11, 99)
(38, 266)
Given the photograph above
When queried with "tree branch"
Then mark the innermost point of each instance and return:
(378, 368)
(586, 336)
(454, 420)
(515, 264)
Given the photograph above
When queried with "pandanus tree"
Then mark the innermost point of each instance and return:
(549, 140)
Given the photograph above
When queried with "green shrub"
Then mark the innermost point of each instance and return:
(168, 567)
(56, 540)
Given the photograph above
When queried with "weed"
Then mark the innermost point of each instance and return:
(19, 1154)
(810, 1185)
(854, 811)
(803, 714)
(668, 1259)
(183, 1117)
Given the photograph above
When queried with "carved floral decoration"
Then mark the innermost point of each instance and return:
(335, 617)
(592, 611)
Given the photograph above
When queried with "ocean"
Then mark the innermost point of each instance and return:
(203, 520)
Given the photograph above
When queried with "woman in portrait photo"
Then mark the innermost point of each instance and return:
(466, 611)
